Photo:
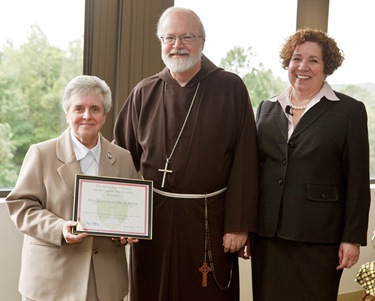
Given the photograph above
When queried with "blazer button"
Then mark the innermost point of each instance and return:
(323, 196)
(281, 181)
(284, 162)
(291, 145)
(96, 251)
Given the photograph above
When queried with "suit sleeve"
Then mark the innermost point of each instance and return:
(27, 202)
(356, 159)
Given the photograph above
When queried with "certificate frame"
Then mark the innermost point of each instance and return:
(111, 206)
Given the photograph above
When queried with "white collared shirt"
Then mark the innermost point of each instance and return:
(82, 152)
(326, 91)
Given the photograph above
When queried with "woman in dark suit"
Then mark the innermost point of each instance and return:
(56, 264)
(314, 177)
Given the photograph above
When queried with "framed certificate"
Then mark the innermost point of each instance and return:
(106, 206)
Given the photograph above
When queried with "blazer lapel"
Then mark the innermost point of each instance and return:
(311, 115)
(269, 109)
(108, 158)
(71, 167)
(282, 121)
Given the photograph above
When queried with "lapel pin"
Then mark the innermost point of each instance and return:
(109, 155)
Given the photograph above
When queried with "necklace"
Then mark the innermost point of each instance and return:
(294, 107)
(165, 170)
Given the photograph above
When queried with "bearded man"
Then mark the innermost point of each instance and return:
(191, 130)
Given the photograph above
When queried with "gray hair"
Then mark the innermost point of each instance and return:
(87, 84)
(173, 9)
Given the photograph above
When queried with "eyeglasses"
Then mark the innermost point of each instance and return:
(185, 38)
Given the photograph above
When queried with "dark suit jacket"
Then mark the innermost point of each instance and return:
(315, 187)
(41, 202)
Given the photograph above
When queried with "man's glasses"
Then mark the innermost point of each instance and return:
(185, 38)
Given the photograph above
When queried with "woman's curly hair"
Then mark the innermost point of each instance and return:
(332, 55)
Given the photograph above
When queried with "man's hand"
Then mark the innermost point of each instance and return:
(126, 240)
(233, 242)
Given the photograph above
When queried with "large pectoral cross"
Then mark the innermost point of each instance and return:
(204, 269)
(165, 171)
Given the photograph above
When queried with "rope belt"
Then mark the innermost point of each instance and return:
(205, 268)
(188, 195)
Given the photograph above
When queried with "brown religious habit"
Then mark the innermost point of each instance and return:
(216, 149)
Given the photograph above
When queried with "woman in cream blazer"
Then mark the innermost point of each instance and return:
(57, 265)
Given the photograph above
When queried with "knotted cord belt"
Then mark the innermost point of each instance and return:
(189, 195)
(204, 269)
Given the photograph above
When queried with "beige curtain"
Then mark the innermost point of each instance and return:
(120, 46)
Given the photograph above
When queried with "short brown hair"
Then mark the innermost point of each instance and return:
(332, 55)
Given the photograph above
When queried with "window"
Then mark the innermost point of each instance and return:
(246, 25)
(351, 24)
(41, 49)
(244, 30)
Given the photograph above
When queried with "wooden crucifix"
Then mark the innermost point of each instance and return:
(204, 269)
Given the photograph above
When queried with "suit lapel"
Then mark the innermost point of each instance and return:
(282, 121)
(311, 115)
(71, 167)
(108, 158)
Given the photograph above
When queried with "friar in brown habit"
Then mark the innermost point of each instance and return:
(191, 130)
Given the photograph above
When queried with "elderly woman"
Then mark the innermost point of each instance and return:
(57, 265)
(314, 178)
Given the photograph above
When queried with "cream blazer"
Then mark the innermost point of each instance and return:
(41, 202)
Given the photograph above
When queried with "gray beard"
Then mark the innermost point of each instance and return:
(180, 64)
